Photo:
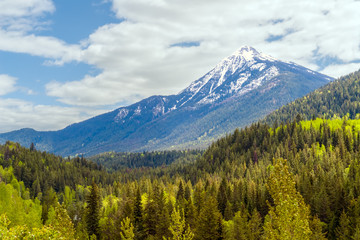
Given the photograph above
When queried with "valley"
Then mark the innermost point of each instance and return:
(302, 158)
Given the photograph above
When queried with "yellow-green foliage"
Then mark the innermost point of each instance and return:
(6, 175)
(9, 232)
(127, 230)
(19, 210)
(334, 124)
(60, 222)
(288, 219)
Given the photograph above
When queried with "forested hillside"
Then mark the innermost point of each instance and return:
(241, 89)
(298, 179)
(113, 161)
(340, 97)
(231, 192)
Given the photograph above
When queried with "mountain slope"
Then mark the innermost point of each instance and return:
(340, 97)
(242, 88)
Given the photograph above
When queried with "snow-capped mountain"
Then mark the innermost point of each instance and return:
(238, 74)
(239, 90)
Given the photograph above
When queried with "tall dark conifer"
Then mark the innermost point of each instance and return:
(93, 211)
(138, 216)
(222, 198)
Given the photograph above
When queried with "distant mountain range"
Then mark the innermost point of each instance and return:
(241, 89)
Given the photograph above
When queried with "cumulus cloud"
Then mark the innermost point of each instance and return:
(341, 69)
(160, 47)
(17, 113)
(145, 54)
(19, 20)
(20, 8)
(22, 15)
(7, 84)
(57, 51)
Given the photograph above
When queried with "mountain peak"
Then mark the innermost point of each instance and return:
(247, 49)
(239, 90)
(249, 54)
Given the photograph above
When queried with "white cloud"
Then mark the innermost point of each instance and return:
(19, 19)
(48, 47)
(21, 15)
(341, 69)
(137, 60)
(20, 8)
(17, 113)
(7, 84)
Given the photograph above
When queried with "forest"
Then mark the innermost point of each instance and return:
(290, 176)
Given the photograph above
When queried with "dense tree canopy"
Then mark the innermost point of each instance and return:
(298, 179)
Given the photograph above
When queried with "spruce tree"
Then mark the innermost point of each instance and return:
(343, 231)
(209, 221)
(93, 211)
(163, 223)
(180, 197)
(138, 216)
(222, 198)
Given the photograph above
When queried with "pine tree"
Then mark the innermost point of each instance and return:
(289, 217)
(93, 211)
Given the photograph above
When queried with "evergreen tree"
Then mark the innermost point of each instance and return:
(93, 211)
(222, 198)
(343, 231)
(209, 221)
(127, 229)
(49, 200)
(254, 226)
(289, 217)
(163, 223)
(138, 216)
(61, 222)
(316, 227)
(150, 218)
(180, 197)
(178, 228)
(240, 227)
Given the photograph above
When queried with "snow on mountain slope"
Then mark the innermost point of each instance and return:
(239, 90)
(247, 69)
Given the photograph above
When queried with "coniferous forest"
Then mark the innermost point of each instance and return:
(294, 175)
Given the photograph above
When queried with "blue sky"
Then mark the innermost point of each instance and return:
(64, 61)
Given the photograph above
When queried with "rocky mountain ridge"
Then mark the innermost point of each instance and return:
(241, 89)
